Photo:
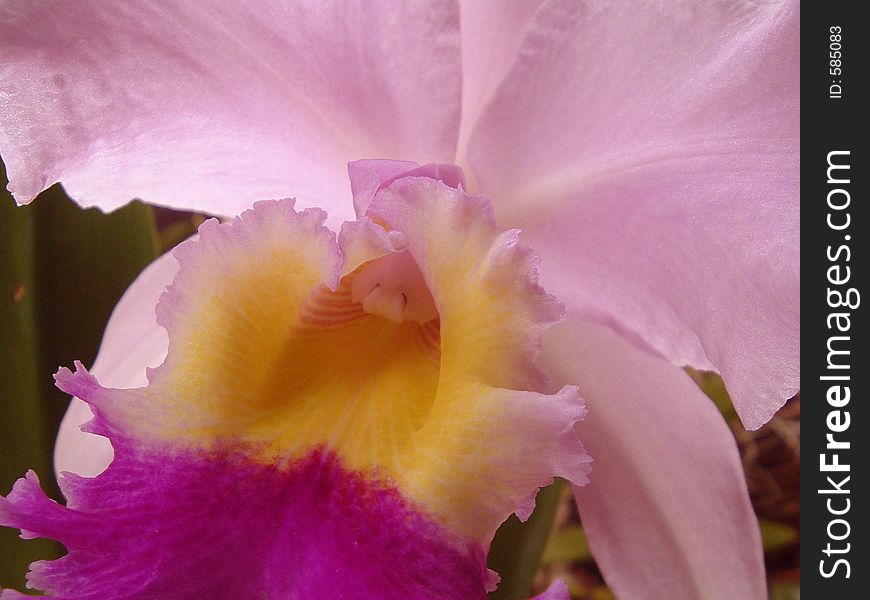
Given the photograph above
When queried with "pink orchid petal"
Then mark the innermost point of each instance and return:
(367, 176)
(667, 495)
(132, 342)
(213, 108)
(558, 590)
(364, 240)
(649, 153)
(491, 34)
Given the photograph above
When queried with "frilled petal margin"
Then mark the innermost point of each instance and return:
(668, 495)
(297, 443)
(659, 180)
(188, 525)
(132, 342)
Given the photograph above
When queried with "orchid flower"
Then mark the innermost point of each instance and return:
(647, 151)
(303, 437)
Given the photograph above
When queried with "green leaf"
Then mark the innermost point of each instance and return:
(714, 387)
(567, 546)
(785, 591)
(63, 270)
(22, 423)
(775, 535)
(516, 551)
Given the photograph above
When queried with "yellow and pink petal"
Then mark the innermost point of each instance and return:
(335, 417)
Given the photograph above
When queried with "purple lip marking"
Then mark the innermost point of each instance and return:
(189, 525)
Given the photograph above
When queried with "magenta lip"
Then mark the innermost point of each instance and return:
(217, 525)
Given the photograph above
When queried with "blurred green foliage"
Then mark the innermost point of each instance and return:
(516, 550)
(63, 269)
(567, 545)
(775, 535)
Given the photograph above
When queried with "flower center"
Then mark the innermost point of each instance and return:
(393, 287)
